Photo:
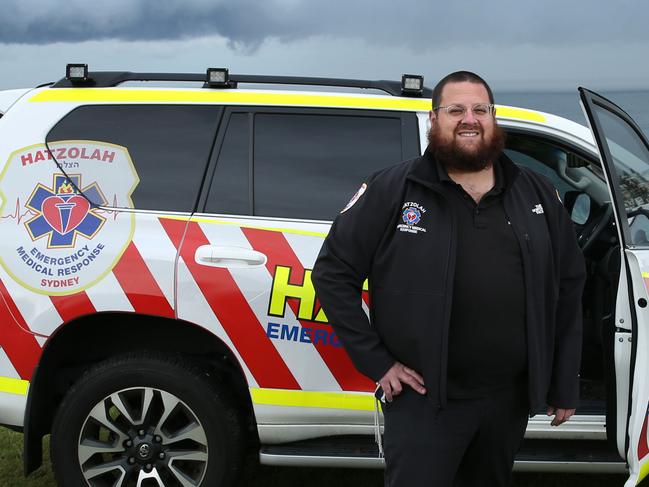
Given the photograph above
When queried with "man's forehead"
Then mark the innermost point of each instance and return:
(457, 92)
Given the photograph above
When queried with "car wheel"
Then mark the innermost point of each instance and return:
(144, 420)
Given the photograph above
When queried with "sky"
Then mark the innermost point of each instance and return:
(516, 45)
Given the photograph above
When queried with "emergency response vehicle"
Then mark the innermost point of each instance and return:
(157, 315)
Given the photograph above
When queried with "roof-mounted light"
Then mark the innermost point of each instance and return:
(217, 78)
(412, 85)
(77, 73)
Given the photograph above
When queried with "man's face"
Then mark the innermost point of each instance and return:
(471, 141)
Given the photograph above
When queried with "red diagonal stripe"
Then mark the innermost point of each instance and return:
(20, 346)
(73, 305)
(275, 246)
(140, 287)
(232, 309)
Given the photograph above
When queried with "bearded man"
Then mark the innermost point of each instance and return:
(475, 287)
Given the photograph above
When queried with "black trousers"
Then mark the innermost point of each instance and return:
(470, 443)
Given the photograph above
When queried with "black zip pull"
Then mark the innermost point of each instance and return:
(527, 242)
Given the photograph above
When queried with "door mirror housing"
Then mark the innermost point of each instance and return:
(579, 205)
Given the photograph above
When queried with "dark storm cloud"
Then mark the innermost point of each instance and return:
(247, 23)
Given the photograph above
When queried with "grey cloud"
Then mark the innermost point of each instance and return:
(248, 23)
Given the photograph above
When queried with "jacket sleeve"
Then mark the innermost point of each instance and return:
(564, 384)
(342, 266)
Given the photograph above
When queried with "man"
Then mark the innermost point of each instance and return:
(475, 288)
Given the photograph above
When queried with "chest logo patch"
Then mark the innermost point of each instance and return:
(411, 214)
(538, 209)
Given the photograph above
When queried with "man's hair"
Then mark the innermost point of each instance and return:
(459, 77)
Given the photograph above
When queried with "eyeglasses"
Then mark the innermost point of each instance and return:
(481, 110)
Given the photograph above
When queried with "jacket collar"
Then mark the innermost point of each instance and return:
(425, 170)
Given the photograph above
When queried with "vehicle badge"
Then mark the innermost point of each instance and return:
(61, 210)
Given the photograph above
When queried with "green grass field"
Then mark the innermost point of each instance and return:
(256, 476)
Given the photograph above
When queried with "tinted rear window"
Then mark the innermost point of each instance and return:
(169, 145)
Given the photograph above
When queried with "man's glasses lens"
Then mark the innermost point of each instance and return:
(458, 111)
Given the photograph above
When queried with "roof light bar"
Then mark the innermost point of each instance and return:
(218, 78)
(76, 72)
(412, 85)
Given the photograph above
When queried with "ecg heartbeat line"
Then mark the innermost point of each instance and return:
(113, 213)
(17, 215)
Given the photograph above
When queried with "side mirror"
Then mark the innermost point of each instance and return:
(578, 205)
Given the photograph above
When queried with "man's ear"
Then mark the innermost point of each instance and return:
(432, 118)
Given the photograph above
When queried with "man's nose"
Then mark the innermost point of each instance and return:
(469, 117)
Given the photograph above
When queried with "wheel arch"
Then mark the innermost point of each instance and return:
(94, 338)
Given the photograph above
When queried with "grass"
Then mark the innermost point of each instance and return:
(258, 476)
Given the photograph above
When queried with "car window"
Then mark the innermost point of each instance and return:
(308, 166)
(169, 147)
(539, 156)
(303, 163)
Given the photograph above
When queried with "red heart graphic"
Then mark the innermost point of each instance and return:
(54, 207)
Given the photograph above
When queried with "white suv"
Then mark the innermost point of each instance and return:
(157, 313)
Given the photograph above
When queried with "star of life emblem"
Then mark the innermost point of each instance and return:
(61, 214)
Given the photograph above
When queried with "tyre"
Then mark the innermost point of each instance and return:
(141, 420)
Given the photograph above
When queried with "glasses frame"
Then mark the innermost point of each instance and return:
(492, 109)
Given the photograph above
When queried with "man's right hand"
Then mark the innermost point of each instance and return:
(399, 374)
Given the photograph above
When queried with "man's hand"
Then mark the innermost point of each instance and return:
(560, 415)
(398, 374)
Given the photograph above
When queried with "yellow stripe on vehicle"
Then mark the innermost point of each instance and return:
(644, 471)
(135, 95)
(645, 275)
(14, 386)
(126, 95)
(269, 229)
(310, 399)
(211, 221)
(519, 114)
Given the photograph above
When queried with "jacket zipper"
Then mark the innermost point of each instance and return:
(450, 270)
(527, 242)
(525, 259)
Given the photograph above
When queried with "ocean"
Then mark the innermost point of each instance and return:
(566, 104)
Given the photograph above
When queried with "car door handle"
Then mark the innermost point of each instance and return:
(229, 257)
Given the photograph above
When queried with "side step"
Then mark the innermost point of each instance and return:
(361, 452)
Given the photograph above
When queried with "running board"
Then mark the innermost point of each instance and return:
(361, 452)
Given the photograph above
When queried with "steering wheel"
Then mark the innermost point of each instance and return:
(595, 226)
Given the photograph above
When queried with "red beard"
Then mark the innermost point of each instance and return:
(455, 158)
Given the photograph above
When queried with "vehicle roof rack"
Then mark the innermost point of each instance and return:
(107, 79)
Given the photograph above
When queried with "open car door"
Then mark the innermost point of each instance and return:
(624, 151)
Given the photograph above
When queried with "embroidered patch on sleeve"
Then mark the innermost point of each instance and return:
(355, 198)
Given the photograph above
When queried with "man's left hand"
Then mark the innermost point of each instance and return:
(560, 415)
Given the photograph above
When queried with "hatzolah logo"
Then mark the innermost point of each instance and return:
(62, 213)
(411, 216)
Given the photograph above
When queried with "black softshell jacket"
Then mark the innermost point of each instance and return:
(411, 279)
